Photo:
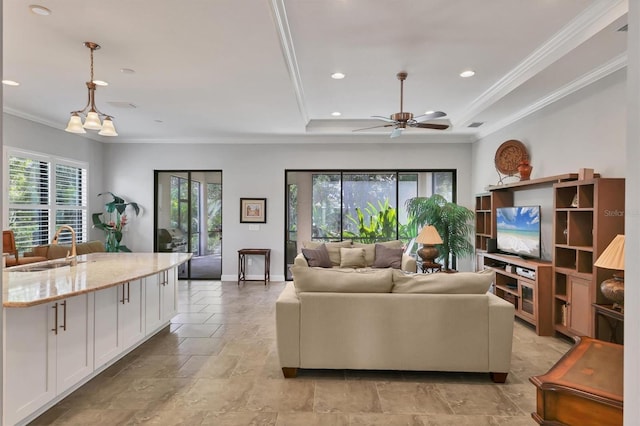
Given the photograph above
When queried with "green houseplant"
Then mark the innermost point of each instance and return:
(115, 221)
(453, 222)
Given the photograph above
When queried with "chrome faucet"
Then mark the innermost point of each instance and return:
(73, 256)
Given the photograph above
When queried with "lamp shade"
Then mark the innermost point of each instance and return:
(613, 256)
(108, 129)
(92, 121)
(75, 125)
(429, 235)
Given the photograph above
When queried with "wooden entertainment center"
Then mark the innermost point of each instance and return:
(561, 295)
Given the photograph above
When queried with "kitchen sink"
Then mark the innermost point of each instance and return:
(38, 267)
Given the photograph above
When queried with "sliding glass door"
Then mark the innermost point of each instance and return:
(188, 217)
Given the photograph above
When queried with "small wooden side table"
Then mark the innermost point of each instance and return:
(430, 267)
(584, 387)
(614, 321)
(242, 263)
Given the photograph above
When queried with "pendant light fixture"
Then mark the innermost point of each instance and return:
(91, 114)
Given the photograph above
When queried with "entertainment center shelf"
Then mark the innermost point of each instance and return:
(588, 212)
(527, 285)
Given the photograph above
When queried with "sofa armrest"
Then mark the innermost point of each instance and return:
(288, 327)
(300, 260)
(409, 264)
(501, 314)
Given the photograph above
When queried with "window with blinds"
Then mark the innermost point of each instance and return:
(44, 193)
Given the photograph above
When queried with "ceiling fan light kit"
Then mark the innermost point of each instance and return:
(401, 120)
(90, 111)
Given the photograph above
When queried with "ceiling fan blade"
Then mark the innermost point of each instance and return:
(432, 125)
(387, 119)
(430, 116)
(374, 127)
(396, 132)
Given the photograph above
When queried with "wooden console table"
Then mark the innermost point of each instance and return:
(242, 263)
(584, 387)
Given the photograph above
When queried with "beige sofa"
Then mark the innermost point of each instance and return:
(58, 251)
(347, 254)
(390, 320)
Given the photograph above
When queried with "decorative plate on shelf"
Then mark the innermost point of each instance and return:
(509, 155)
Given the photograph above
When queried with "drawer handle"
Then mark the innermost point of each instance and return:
(55, 318)
(64, 316)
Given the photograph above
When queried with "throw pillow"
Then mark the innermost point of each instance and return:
(332, 248)
(443, 283)
(341, 280)
(388, 257)
(317, 257)
(370, 249)
(352, 258)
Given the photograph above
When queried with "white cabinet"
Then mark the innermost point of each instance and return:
(130, 318)
(160, 299)
(119, 323)
(153, 307)
(49, 348)
(169, 294)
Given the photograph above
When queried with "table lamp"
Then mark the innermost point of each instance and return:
(613, 258)
(428, 237)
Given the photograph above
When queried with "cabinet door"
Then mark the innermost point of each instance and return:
(169, 295)
(579, 306)
(153, 306)
(74, 345)
(30, 351)
(527, 300)
(130, 319)
(106, 345)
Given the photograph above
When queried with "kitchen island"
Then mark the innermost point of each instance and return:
(65, 324)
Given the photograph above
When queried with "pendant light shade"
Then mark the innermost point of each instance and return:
(75, 125)
(92, 121)
(90, 112)
(107, 128)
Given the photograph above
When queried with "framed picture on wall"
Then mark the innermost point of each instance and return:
(253, 210)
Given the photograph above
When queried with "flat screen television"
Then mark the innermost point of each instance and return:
(518, 230)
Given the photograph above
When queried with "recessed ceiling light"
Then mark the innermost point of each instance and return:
(336, 114)
(429, 112)
(39, 10)
(467, 73)
(158, 121)
(100, 83)
(127, 71)
(10, 83)
(337, 76)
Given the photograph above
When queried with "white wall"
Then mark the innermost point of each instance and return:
(257, 170)
(31, 136)
(632, 226)
(584, 130)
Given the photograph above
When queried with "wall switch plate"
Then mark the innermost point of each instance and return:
(254, 227)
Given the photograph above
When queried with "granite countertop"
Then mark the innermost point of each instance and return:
(93, 272)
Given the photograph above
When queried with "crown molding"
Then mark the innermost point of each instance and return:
(599, 15)
(591, 77)
(289, 54)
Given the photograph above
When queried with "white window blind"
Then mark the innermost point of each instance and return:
(44, 193)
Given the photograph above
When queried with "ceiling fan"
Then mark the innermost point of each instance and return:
(401, 120)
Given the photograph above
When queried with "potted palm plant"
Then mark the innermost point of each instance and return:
(453, 222)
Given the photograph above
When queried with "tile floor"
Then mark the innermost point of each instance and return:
(217, 365)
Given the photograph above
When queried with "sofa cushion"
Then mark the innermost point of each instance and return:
(352, 258)
(341, 280)
(443, 283)
(58, 251)
(370, 249)
(332, 248)
(317, 257)
(387, 257)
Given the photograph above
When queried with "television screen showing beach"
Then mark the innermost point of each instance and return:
(519, 230)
